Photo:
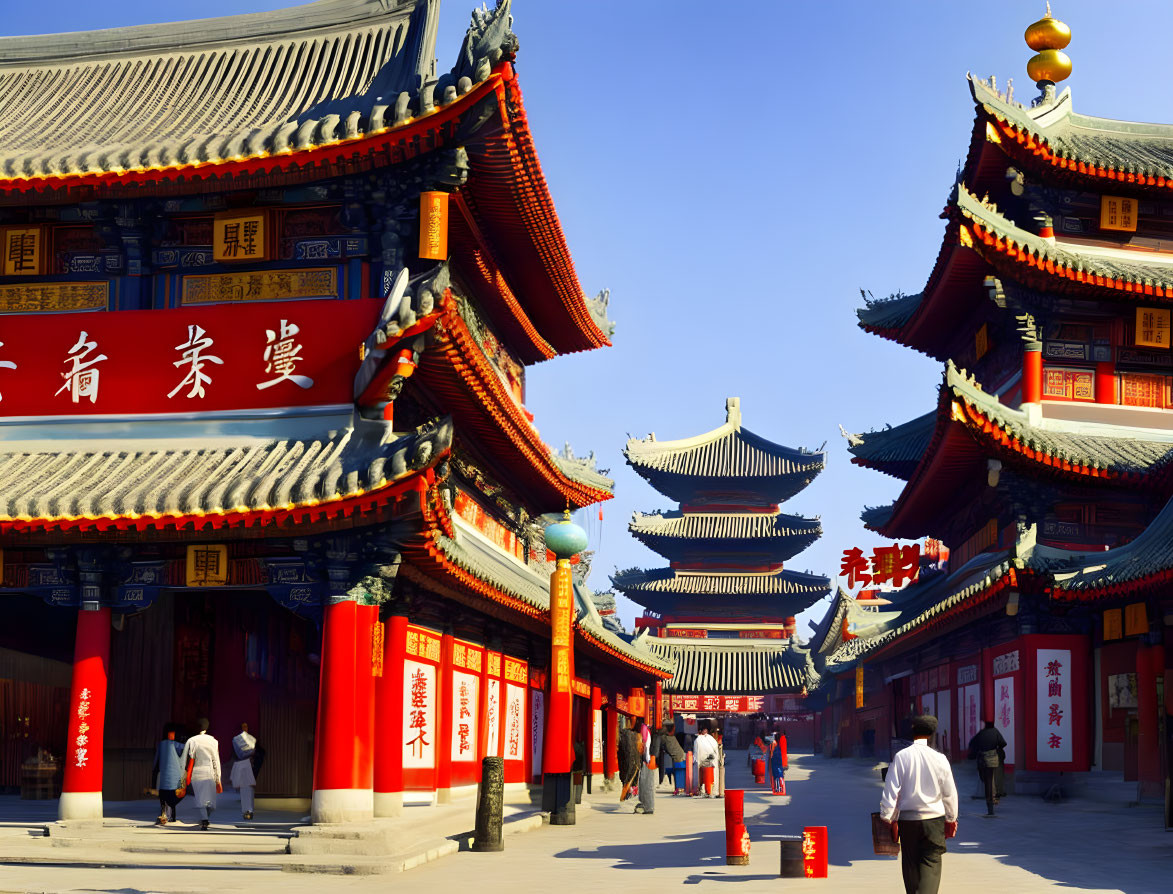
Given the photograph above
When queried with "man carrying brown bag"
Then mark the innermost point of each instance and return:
(920, 793)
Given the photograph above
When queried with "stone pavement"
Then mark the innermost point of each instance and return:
(1032, 846)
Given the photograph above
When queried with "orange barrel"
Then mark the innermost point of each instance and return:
(707, 779)
(759, 771)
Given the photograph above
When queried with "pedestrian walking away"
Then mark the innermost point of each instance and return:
(647, 774)
(629, 761)
(988, 748)
(168, 775)
(242, 777)
(674, 759)
(779, 763)
(201, 756)
(920, 803)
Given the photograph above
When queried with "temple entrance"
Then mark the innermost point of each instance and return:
(228, 655)
(36, 665)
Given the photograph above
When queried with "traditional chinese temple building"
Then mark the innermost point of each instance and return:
(723, 612)
(1045, 464)
(272, 285)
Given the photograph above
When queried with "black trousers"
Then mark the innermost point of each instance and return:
(922, 844)
(989, 777)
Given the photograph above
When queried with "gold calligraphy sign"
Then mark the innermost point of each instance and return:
(433, 226)
(1118, 213)
(207, 565)
(54, 296)
(859, 685)
(494, 663)
(423, 644)
(1113, 628)
(260, 285)
(240, 237)
(377, 649)
(1152, 327)
(516, 672)
(1136, 619)
(23, 251)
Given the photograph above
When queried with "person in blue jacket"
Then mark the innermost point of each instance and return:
(168, 775)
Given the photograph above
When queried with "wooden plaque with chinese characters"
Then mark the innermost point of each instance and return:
(24, 251)
(207, 565)
(260, 285)
(1118, 213)
(240, 236)
(54, 296)
(1152, 327)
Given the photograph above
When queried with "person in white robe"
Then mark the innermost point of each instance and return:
(201, 756)
(244, 744)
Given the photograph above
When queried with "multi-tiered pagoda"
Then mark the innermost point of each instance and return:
(1045, 466)
(723, 610)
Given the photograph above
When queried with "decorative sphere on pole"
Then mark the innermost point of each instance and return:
(564, 538)
(1048, 36)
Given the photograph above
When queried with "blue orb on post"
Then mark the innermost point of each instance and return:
(565, 539)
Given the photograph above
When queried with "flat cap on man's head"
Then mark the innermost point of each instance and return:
(924, 725)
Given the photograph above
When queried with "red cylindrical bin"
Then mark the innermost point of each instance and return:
(759, 771)
(688, 772)
(814, 851)
(707, 779)
(736, 836)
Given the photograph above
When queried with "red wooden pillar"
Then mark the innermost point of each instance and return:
(1032, 373)
(344, 752)
(658, 716)
(1150, 661)
(444, 708)
(390, 713)
(81, 792)
(1105, 382)
(611, 743)
(597, 720)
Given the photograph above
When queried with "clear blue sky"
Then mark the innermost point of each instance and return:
(735, 173)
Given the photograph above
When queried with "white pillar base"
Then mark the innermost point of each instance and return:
(80, 806)
(388, 803)
(342, 805)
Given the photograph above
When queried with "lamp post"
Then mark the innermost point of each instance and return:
(564, 539)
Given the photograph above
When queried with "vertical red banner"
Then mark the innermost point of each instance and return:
(558, 749)
(81, 793)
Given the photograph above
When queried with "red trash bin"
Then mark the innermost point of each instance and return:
(759, 771)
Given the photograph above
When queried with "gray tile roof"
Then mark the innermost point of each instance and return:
(889, 313)
(208, 90)
(895, 450)
(635, 581)
(826, 635)
(723, 525)
(1124, 145)
(520, 582)
(1149, 556)
(727, 453)
(218, 475)
(1130, 270)
(923, 601)
(733, 668)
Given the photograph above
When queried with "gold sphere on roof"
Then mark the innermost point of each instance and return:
(1049, 65)
(1048, 34)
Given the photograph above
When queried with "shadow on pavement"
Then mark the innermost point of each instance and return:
(669, 851)
(1053, 841)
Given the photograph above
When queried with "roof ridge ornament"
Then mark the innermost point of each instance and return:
(1047, 37)
(733, 412)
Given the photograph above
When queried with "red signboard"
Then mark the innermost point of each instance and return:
(186, 360)
(733, 704)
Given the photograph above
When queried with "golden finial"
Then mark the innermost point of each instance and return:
(1047, 37)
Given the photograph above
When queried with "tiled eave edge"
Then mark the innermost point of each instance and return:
(437, 566)
(255, 522)
(460, 347)
(931, 619)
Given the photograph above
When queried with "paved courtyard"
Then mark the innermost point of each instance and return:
(1031, 846)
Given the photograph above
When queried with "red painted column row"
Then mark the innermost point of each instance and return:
(81, 791)
(344, 744)
(389, 718)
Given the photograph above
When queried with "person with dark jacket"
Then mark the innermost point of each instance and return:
(988, 748)
(630, 749)
(657, 748)
(672, 756)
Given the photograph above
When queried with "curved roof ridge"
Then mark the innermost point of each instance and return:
(173, 37)
(657, 454)
(722, 525)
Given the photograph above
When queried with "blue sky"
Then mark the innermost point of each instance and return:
(735, 173)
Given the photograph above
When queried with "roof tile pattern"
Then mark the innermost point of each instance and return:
(723, 526)
(179, 478)
(896, 450)
(733, 669)
(635, 581)
(203, 91)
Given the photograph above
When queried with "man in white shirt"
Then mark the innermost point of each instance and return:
(919, 792)
(201, 756)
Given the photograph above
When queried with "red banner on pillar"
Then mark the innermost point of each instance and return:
(558, 754)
